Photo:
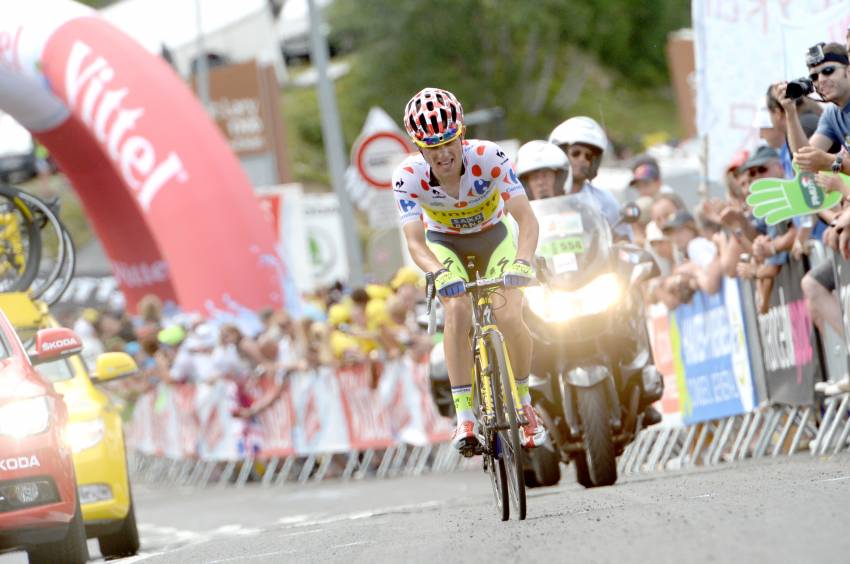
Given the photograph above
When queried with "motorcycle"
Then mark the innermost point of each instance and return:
(592, 370)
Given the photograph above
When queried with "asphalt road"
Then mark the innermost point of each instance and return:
(784, 510)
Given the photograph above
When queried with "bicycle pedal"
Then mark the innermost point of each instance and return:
(469, 447)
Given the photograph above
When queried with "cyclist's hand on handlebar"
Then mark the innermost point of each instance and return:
(518, 273)
(448, 284)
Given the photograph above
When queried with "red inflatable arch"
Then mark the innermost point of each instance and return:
(169, 201)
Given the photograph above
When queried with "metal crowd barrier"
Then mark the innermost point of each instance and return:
(392, 462)
(787, 417)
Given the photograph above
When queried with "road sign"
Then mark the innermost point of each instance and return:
(377, 155)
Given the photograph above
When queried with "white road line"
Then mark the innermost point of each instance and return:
(251, 556)
(299, 533)
(309, 520)
(355, 543)
(835, 479)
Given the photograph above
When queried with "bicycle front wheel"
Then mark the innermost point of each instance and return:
(509, 437)
(494, 463)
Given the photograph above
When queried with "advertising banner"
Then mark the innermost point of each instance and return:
(325, 238)
(788, 340)
(315, 412)
(710, 356)
(155, 176)
(658, 323)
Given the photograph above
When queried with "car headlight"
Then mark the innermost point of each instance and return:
(559, 306)
(24, 418)
(84, 434)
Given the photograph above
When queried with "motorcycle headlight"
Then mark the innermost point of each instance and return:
(24, 418)
(559, 306)
(84, 434)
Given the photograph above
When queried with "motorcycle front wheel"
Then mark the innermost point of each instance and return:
(598, 441)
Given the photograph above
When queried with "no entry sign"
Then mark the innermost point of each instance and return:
(377, 155)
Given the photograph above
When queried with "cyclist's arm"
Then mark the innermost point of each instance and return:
(521, 211)
(419, 251)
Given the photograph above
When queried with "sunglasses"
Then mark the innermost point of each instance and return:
(756, 170)
(439, 139)
(825, 71)
(577, 152)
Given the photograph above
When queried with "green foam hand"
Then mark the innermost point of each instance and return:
(777, 200)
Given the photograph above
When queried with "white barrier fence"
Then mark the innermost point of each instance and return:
(323, 423)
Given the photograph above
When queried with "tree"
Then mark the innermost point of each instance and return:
(531, 58)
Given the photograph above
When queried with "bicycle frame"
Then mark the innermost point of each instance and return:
(483, 323)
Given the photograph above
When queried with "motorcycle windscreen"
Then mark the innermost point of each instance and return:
(575, 239)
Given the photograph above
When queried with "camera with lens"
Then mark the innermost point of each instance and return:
(799, 88)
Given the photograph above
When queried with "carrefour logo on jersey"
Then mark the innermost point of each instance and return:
(406, 205)
(481, 186)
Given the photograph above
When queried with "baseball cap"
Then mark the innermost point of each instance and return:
(762, 156)
(738, 160)
(678, 219)
(647, 170)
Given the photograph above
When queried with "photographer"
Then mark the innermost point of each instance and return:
(830, 77)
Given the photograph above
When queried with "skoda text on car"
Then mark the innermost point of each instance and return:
(39, 507)
(94, 432)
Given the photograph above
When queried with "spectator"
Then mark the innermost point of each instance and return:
(767, 244)
(644, 203)
(661, 248)
(698, 256)
(646, 177)
(664, 206)
(829, 65)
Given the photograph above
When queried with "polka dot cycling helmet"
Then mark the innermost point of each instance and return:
(433, 117)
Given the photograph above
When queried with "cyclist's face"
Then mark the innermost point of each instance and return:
(540, 183)
(445, 160)
(581, 160)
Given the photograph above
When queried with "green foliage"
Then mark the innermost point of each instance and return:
(540, 61)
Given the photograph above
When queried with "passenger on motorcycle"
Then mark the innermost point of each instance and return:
(543, 169)
(584, 142)
(463, 190)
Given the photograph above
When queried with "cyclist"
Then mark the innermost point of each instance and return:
(584, 142)
(463, 190)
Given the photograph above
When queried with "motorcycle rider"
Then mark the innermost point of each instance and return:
(584, 142)
(463, 191)
(545, 170)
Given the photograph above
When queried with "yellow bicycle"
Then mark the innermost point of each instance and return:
(495, 399)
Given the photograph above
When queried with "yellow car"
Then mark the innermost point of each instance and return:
(94, 432)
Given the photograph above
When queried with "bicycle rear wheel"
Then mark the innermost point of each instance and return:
(509, 438)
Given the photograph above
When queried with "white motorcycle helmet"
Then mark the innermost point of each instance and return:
(540, 155)
(582, 130)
